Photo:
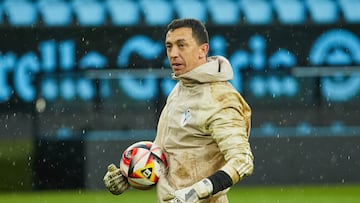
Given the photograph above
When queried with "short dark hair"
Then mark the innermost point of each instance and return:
(199, 31)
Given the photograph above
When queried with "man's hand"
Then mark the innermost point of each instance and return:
(192, 194)
(114, 181)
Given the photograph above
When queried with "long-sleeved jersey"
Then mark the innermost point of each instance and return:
(204, 127)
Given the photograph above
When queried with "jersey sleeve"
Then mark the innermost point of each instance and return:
(230, 128)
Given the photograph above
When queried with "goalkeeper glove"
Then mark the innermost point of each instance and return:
(114, 181)
(192, 194)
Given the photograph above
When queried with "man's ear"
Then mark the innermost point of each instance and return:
(204, 49)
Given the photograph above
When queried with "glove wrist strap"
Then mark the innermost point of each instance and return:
(220, 181)
(204, 188)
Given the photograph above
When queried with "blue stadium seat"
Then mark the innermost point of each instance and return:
(191, 9)
(290, 11)
(55, 12)
(123, 12)
(89, 12)
(20, 12)
(257, 11)
(225, 12)
(157, 12)
(323, 11)
(351, 10)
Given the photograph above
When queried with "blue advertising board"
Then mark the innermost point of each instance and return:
(55, 65)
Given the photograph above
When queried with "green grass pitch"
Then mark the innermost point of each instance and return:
(15, 175)
(252, 194)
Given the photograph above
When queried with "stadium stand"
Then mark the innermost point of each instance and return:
(55, 12)
(157, 12)
(124, 12)
(160, 12)
(20, 12)
(89, 12)
(323, 11)
(257, 11)
(350, 9)
(290, 11)
(219, 17)
(194, 9)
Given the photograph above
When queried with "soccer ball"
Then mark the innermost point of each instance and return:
(143, 163)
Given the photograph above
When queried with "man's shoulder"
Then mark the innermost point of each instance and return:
(223, 87)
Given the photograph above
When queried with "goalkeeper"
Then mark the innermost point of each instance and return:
(204, 127)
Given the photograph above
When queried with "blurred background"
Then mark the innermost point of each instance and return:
(80, 80)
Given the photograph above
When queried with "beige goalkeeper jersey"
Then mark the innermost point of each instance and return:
(204, 127)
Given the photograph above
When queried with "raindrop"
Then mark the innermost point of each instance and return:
(40, 105)
(333, 159)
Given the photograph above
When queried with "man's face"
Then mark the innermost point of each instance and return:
(183, 52)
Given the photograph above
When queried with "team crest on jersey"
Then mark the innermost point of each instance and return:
(185, 118)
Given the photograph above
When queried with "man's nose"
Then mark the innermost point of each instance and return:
(174, 52)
